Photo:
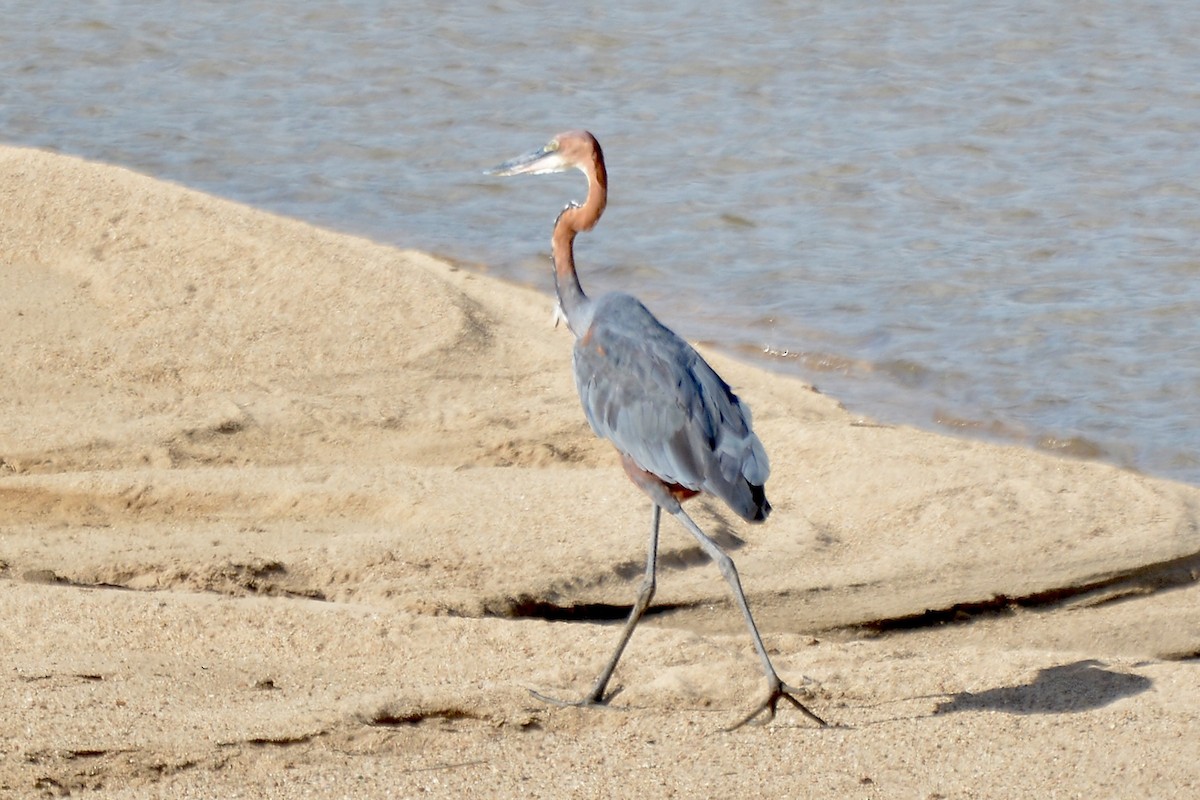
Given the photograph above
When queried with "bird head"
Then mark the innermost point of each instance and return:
(570, 150)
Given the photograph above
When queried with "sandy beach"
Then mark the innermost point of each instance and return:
(287, 514)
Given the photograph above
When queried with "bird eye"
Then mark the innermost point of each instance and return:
(552, 146)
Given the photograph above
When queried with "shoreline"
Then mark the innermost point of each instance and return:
(275, 503)
(924, 410)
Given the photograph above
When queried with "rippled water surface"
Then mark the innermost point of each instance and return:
(980, 217)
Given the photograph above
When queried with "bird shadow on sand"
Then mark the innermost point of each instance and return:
(1067, 688)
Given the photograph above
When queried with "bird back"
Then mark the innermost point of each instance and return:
(659, 402)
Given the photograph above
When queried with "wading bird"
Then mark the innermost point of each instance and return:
(679, 429)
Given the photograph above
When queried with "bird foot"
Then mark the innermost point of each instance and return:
(779, 691)
(583, 702)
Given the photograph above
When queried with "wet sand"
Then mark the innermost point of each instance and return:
(286, 513)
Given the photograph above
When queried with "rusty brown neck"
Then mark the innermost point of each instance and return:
(572, 220)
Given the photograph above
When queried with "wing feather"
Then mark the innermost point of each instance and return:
(650, 393)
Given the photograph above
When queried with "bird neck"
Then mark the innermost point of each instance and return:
(573, 219)
(571, 297)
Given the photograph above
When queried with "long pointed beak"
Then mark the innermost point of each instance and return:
(539, 162)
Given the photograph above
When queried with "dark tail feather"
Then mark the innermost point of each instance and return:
(746, 499)
(762, 507)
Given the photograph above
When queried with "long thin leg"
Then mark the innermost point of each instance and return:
(645, 595)
(777, 689)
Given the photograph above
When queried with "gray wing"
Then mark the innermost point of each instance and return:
(660, 403)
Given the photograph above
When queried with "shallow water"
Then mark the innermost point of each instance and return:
(975, 217)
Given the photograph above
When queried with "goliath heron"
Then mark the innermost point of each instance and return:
(678, 427)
